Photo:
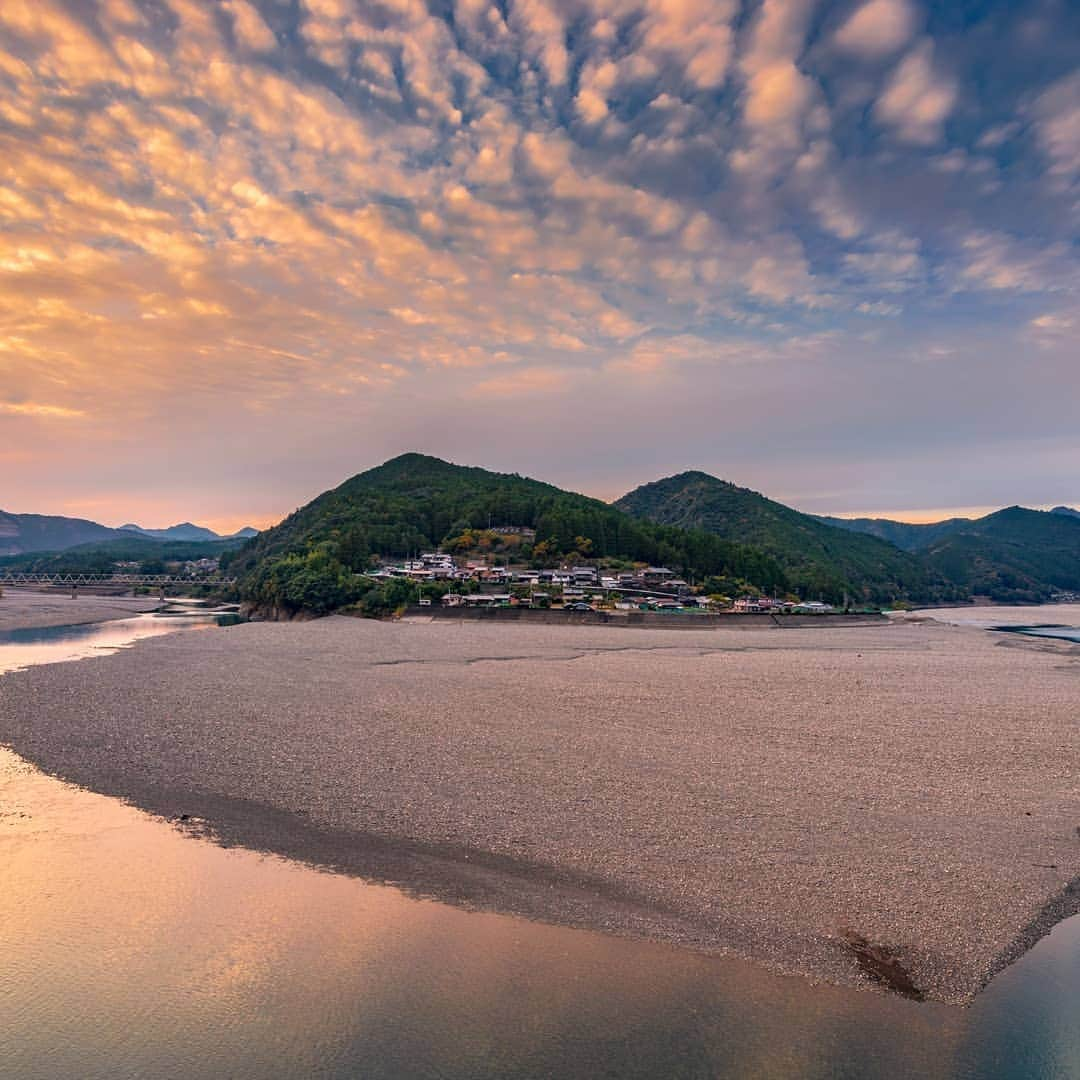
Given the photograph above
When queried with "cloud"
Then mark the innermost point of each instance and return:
(1053, 329)
(1057, 125)
(779, 98)
(250, 28)
(877, 29)
(39, 410)
(294, 219)
(917, 99)
(999, 261)
(528, 383)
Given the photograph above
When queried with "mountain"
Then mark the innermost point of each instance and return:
(40, 532)
(415, 502)
(818, 558)
(185, 531)
(901, 533)
(1014, 555)
(23, 533)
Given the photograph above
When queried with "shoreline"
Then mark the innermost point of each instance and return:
(574, 776)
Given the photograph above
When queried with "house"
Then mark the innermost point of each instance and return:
(514, 530)
(749, 605)
(654, 574)
(440, 565)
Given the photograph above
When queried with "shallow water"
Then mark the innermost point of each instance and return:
(23, 648)
(133, 947)
(1060, 621)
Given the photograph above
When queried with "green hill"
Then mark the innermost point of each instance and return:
(703, 527)
(415, 502)
(819, 560)
(1014, 555)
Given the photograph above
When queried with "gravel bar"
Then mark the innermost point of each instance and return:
(23, 609)
(774, 795)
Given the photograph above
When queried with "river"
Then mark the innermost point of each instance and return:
(133, 947)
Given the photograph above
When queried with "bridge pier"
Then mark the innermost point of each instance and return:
(74, 592)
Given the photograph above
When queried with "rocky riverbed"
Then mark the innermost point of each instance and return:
(780, 795)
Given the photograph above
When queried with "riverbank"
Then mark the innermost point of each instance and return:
(22, 609)
(762, 794)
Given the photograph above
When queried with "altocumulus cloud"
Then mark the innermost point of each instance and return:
(301, 220)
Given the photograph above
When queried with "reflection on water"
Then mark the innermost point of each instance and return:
(57, 644)
(129, 948)
(1060, 621)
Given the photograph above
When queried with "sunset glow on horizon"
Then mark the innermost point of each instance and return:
(827, 251)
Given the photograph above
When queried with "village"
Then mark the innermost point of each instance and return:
(479, 583)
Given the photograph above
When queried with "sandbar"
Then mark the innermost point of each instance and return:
(769, 794)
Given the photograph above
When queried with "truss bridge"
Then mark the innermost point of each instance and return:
(161, 582)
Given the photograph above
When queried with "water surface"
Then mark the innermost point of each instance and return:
(24, 647)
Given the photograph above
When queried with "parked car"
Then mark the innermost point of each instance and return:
(579, 605)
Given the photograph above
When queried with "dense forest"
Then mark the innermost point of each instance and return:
(818, 559)
(1014, 555)
(726, 538)
(415, 503)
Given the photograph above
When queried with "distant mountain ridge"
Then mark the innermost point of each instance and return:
(904, 534)
(190, 533)
(22, 534)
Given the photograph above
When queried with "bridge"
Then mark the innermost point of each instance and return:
(161, 582)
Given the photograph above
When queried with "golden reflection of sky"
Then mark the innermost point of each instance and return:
(124, 940)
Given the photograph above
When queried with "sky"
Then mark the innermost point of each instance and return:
(824, 250)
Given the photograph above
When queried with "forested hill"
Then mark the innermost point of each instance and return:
(1014, 555)
(415, 502)
(818, 558)
(724, 536)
